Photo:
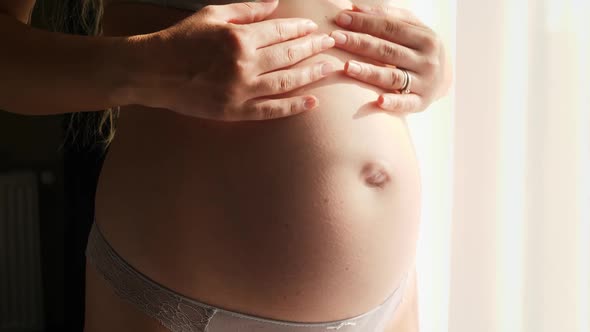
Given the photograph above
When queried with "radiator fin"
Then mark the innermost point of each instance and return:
(21, 293)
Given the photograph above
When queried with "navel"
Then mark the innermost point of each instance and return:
(376, 174)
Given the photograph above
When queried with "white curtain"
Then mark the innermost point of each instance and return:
(505, 162)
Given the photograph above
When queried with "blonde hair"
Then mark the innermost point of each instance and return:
(84, 17)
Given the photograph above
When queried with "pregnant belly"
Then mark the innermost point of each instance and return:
(309, 218)
(278, 212)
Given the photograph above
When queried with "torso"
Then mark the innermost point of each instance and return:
(273, 218)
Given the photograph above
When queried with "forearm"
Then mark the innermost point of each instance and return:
(44, 72)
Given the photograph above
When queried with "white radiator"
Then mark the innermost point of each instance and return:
(21, 293)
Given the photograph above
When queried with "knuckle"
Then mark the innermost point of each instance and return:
(388, 50)
(250, 10)
(394, 103)
(372, 74)
(366, 41)
(316, 44)
(292, 54)
(353, 42)
(246, 86)
(293, 108)
(208, 10)
(269, 111)
(284, 83)
(241, 67)
(261, 86)
(239, 64)
(249, 7)
(235, 39)
(281, 30)
(363, 23)
(250, 83)
(239, 73)
(391, 27)
(297, 28)
(361, 42)
(395, 79)
(431, 63)
(266, 85)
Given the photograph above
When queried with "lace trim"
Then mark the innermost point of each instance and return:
(179, 313)
(173, 311)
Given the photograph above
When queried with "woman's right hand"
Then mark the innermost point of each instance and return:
(224, 63)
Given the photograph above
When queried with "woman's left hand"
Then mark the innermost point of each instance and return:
(397, 40)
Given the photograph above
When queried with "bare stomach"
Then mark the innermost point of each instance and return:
(309, 218)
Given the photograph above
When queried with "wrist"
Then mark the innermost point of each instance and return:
(129, 72)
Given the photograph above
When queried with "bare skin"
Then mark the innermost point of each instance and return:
(264, 217)
(122, 75)
(123, 316)
(54, 73)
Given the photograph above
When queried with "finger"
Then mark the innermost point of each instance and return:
(388, 78)
(278, 108)
(404, 103)
(384, 27)
(279, 30)
(291, 52)
(290, 79)
(243, 12)
(376, 48)
(391, 11)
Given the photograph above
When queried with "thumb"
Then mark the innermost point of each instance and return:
(247, 12)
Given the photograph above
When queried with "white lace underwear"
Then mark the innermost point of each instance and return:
(179, 313)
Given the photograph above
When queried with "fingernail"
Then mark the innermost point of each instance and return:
(344, 19)
(327, 68)
(328, 42)
(383, 101)
(339, 37)
(354, 68)
(309, 103)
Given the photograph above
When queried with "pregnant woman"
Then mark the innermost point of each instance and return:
(208, 220)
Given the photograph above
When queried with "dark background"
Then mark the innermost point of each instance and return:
(66, 204)
(65, 207)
